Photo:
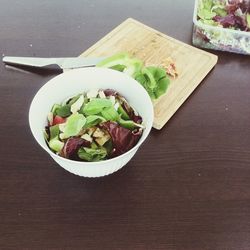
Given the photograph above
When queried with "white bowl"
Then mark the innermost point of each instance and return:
(80, 80)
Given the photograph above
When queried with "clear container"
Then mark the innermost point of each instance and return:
(218, 38)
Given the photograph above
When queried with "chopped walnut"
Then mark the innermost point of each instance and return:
(169, 65)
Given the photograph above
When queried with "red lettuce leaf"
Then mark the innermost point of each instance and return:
(245, 6)
(72, 145)
(137, 119)
(47, 130)
(232, 6)
(231, 20)
(131, 113)
(123, 139)
(129, 110)
(110, 92)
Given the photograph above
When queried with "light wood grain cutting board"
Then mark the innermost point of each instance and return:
(153, 47)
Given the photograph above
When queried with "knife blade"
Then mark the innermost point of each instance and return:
(62, 62)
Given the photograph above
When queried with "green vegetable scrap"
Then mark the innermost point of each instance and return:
(153, 79)
(122, 62)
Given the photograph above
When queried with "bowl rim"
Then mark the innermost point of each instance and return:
(139, 143)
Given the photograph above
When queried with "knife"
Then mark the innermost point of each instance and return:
(62, 62)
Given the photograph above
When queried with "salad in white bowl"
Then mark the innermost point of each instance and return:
(93, 126)
(91, 121)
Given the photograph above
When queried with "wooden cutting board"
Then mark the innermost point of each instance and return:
(153, 47)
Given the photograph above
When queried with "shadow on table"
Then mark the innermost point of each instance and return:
(225, 57)
(53, 70)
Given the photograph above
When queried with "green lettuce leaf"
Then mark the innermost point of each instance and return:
(55, 144)
(63, 111)
(93, 120)
(55, 108)
(219, 10)
(127, 124)
(205, 14)
(96, 105)
(73, 99)
(92, 154)
(209, 22)
(110, 113)
(205, 10)
(54, 131)
(122, 113)
(248, 20)
(73, 125)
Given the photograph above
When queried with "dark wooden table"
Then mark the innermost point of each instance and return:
(188, 187)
